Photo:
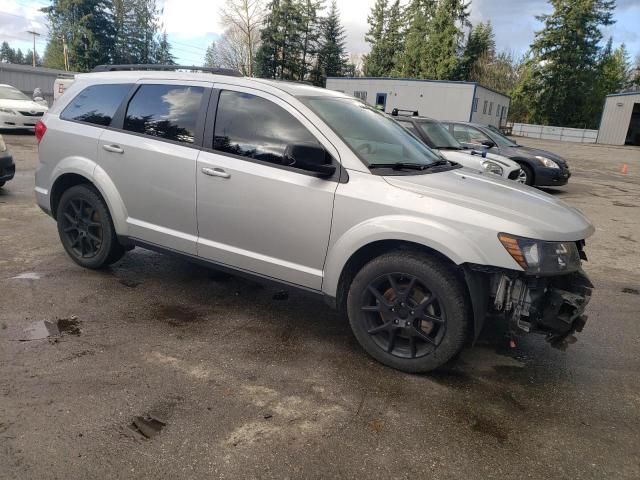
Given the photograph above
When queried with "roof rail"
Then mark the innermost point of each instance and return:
(152, 67)
(397, 111)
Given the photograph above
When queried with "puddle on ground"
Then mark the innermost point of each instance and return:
(489, 427)
(632, 291)
(28, 276)
(45, 329)
(129, 283)
(147, 426)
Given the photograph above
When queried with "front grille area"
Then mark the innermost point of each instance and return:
(514, 175)
(29, 114)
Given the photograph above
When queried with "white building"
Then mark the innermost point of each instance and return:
(620, 121)
(439, 99)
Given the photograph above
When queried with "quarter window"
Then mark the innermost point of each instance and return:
(165, 111)
(254, 127)
(96, 104)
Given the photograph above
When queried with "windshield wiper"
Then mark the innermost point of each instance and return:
(400, 165)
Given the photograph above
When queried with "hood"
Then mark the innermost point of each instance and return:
(529, 152)
(493, 203)
(464, 158)
(26, 105)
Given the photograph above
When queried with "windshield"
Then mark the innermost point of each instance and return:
(439, 136)
(375, 138)
(500, 138)
(10, 93)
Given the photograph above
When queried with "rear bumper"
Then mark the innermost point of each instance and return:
(7, 167)
(549, 177)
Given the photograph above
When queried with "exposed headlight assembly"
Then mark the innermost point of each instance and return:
(547, 162)
(492, 167)
(541, 257)
(8, 110)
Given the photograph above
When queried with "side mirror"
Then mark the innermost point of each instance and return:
(310, 157)
(488, 143)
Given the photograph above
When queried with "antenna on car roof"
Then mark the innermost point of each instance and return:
(152, 67)
(396, 111)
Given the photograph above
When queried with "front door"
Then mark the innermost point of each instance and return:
(151, 159)
(381, 101)
(255, 212)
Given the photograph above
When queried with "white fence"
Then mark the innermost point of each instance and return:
(579, 135)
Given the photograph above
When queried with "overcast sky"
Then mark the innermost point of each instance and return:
(192, 24)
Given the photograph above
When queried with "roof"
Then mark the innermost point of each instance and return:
(292, 88)
(623, 94)
(459, 82)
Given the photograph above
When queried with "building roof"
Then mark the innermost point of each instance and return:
(623, 94)
(459, 82)
(13, 67)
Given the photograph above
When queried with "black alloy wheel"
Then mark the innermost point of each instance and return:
(409, 310)
(404, 317)
(86, 229)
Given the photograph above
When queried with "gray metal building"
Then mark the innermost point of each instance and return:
(26, 78)
(620, 121)
(439, 99)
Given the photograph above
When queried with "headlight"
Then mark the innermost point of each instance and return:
(3, 146)
(540, 257)
(492, 167)
(7, 110)
(547, 162)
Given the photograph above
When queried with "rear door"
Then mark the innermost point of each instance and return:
(255, 212)
(151, 157)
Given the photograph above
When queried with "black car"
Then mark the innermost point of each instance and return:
(7, 167)
(542, 168)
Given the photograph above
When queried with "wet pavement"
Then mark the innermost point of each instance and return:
(157, 367)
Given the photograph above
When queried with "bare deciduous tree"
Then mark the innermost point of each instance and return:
(244, 20)
(235, 53)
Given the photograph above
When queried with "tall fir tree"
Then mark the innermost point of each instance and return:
(480, 43)
(566, 56)
(373, 63)
(211, 56)
(417, 16)
(310, 34)
(332, 53)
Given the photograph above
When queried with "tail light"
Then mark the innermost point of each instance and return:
(41, 129)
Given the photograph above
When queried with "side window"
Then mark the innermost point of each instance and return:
(461, 133)
(254, 127)
(361, 94)
(484, 109)
(96, 104)
(165, 111)
(490, 108)
(475, 104)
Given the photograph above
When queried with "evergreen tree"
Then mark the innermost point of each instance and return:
(19, 57)
(267, 54)
(311, 24)
(374, 61)
(7, 54)
(54, 54)
(332, 54)
(393, 38)
(162, 54)
(480, 43)
(566, 51)
(211, 56)
(444, 35)
(417, 15)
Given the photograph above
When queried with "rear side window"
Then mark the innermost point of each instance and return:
(165, 111)
(96, 104)
(254, 127)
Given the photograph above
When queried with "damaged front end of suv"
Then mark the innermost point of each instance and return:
(548, 297)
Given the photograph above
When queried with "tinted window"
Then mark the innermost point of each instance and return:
(96, 104)
(165, 111)
(409, 126)
(257, 128)
(467, 134)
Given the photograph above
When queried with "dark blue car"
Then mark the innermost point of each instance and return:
(542, 168)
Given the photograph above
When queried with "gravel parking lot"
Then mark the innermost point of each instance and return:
(245, 381)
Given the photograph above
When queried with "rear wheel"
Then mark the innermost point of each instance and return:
(86, 229)
(408, 311)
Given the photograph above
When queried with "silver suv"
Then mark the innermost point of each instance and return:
(315, 190)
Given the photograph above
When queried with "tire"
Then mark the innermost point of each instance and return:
(529, 173)
(409, 311)
(2, 184)
(86, 229)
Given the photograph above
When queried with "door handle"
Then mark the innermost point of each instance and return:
(113, 148)
(215, 172)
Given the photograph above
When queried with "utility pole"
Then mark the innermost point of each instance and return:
(35, 34)
(65, 53)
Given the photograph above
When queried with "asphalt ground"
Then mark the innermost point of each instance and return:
(230, 379)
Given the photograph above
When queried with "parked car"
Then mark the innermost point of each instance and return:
(7, 167)
(541, 168)
(18, 111)
(437, 137)
(313, 189)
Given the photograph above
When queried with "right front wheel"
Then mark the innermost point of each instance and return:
(408, 311)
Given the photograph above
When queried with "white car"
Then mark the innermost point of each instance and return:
(437, 137)
(18, 111)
